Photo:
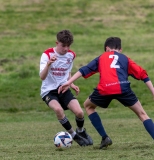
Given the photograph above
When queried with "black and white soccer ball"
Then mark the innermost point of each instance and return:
(63, 140)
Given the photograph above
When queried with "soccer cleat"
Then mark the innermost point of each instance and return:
(84, 135)
(81, 141)
(105, 143)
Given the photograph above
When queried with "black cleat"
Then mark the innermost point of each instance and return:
(105, 143)
(85, 136)
(81, 141)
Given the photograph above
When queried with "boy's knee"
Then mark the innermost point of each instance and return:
(85, 105)
(59, 110)
(79, 114)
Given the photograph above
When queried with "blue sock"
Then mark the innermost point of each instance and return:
(97, 123)
(149, 126)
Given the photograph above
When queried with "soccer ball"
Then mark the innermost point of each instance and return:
(63, 139)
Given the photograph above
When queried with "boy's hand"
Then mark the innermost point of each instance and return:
(63, 88)
(52, 59)
(76, 88)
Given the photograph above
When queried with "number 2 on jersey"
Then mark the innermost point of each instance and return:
(115, 59)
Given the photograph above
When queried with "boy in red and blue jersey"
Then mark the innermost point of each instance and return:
(114, 69)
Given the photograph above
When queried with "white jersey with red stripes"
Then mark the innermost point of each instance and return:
(58, 73)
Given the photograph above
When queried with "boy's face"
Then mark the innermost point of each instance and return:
(62, 48)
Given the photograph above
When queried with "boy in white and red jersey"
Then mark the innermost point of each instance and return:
(114, 69)
(55, 69)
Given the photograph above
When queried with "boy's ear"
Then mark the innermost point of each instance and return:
(107, 49)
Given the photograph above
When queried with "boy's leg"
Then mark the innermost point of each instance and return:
(147, 122)
(97, 123)
(94, 117)
(74, 106)
(56, 107)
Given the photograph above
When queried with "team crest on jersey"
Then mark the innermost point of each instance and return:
(69, 60)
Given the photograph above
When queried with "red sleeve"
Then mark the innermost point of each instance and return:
(74, 54)
(136, 71)
(48, 51)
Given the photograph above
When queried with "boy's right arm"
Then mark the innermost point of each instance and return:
(139, 73)
(44, 66)
(44, 72)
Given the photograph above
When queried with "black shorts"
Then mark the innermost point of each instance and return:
(62, 98)
(127, 99)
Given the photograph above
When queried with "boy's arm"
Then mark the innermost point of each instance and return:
(44, 65)
(85, 71)
(44, 72)
(73, 86)
(137, 71)
(90, 69)
(65, 86)
(150, 86)
(140, 74)
(74, 77)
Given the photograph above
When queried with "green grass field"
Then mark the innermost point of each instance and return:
(27, 28)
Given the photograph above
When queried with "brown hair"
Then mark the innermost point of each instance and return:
(65, 37)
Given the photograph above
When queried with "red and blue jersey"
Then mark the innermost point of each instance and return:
(114, 69)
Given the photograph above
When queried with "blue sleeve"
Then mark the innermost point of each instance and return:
(90, 69)
(146, 79)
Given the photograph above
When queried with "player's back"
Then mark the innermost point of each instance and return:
(113, 68)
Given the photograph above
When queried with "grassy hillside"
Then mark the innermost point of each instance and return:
(27, 28)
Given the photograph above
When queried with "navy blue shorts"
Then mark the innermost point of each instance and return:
(127, 99)
(62, 98)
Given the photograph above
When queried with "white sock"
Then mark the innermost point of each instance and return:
(73, 134)
(80, 130)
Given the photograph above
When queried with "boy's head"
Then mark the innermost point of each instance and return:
(113, 43)
(65, 37)
(64, 41)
